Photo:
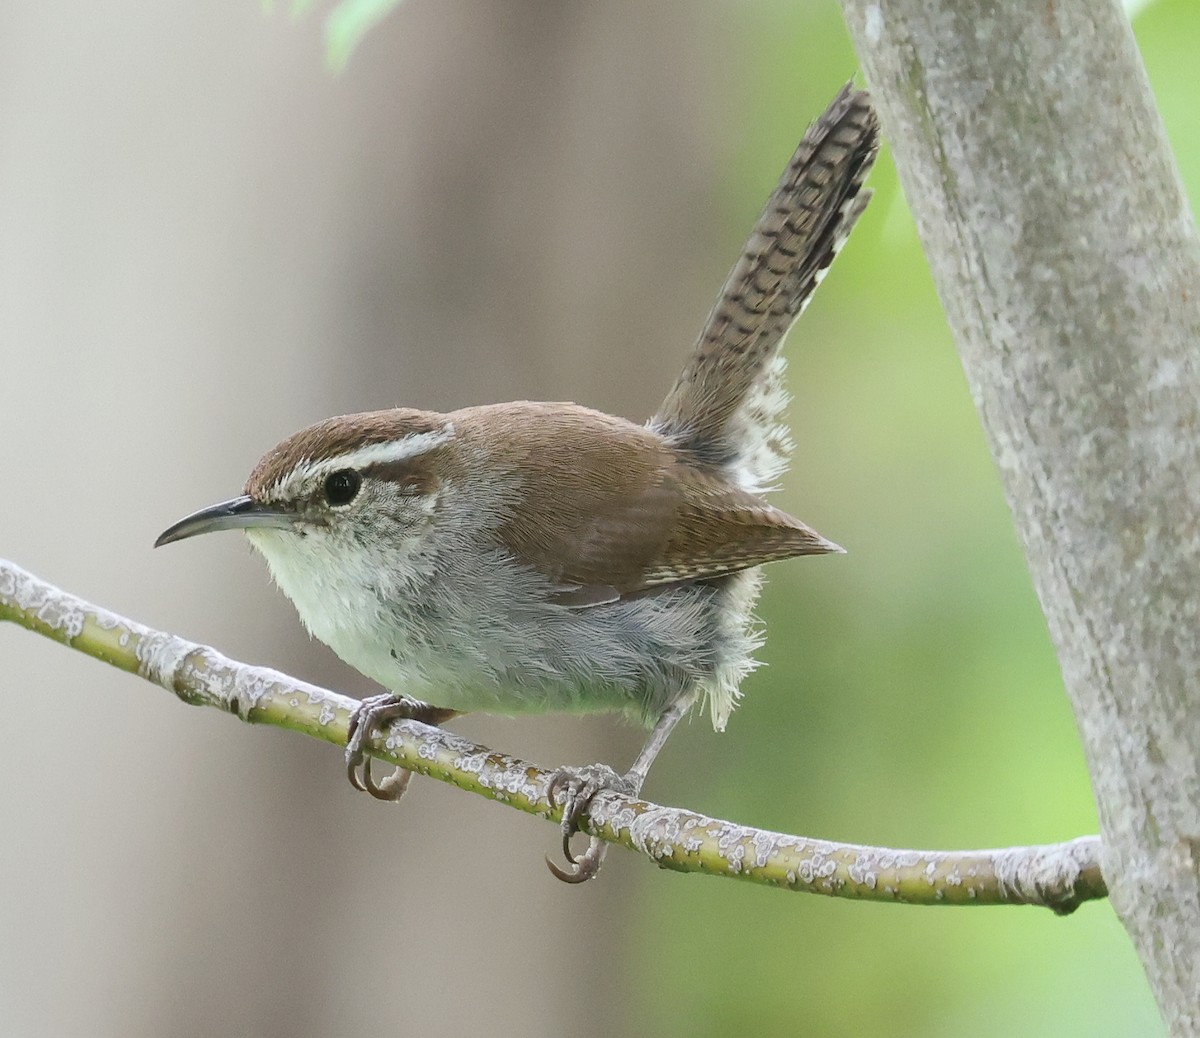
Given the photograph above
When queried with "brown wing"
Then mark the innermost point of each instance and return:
(607, 510)
(720, 529)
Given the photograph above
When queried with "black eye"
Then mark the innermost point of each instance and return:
(341, 486)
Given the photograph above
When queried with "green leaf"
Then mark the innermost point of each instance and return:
(347, 24)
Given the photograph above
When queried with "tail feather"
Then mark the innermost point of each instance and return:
(727, 406)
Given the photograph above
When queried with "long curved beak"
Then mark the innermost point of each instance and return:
(236, 514)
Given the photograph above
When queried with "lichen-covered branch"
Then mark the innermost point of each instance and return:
(1058, 876)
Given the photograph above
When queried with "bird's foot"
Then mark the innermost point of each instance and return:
(579, 787)
(367, 720)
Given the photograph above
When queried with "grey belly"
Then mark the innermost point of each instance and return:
(632, 656)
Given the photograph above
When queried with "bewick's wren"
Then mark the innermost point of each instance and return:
(527, 557)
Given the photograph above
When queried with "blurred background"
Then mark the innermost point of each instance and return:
(207, 240)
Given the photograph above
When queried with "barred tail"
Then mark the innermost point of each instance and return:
(727, 407)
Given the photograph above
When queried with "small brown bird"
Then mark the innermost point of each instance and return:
(529, 557)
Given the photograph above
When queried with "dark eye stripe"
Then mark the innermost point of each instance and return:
(410, 474)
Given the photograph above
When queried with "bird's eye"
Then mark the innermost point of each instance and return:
(341, 486)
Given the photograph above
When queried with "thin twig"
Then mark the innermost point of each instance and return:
(1058, 876)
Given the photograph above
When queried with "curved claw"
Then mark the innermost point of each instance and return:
(367, 718)
(392, 787)
(579, 787)
(558, 872)
(560, 782)
(352, 766)
(355, 758)
(587, 866)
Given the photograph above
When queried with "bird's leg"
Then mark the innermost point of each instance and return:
(579, 787)
(368, 719)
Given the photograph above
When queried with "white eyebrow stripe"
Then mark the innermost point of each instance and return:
(411, 446)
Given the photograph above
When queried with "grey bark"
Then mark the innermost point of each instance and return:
(1068, 264)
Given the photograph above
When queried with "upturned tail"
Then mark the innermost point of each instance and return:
(727, 407)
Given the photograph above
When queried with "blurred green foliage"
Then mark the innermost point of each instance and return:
(347, 22)
(911, 696)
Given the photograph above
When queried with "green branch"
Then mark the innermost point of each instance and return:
(1058, 876)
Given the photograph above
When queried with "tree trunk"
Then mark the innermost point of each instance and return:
(1068, 263)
